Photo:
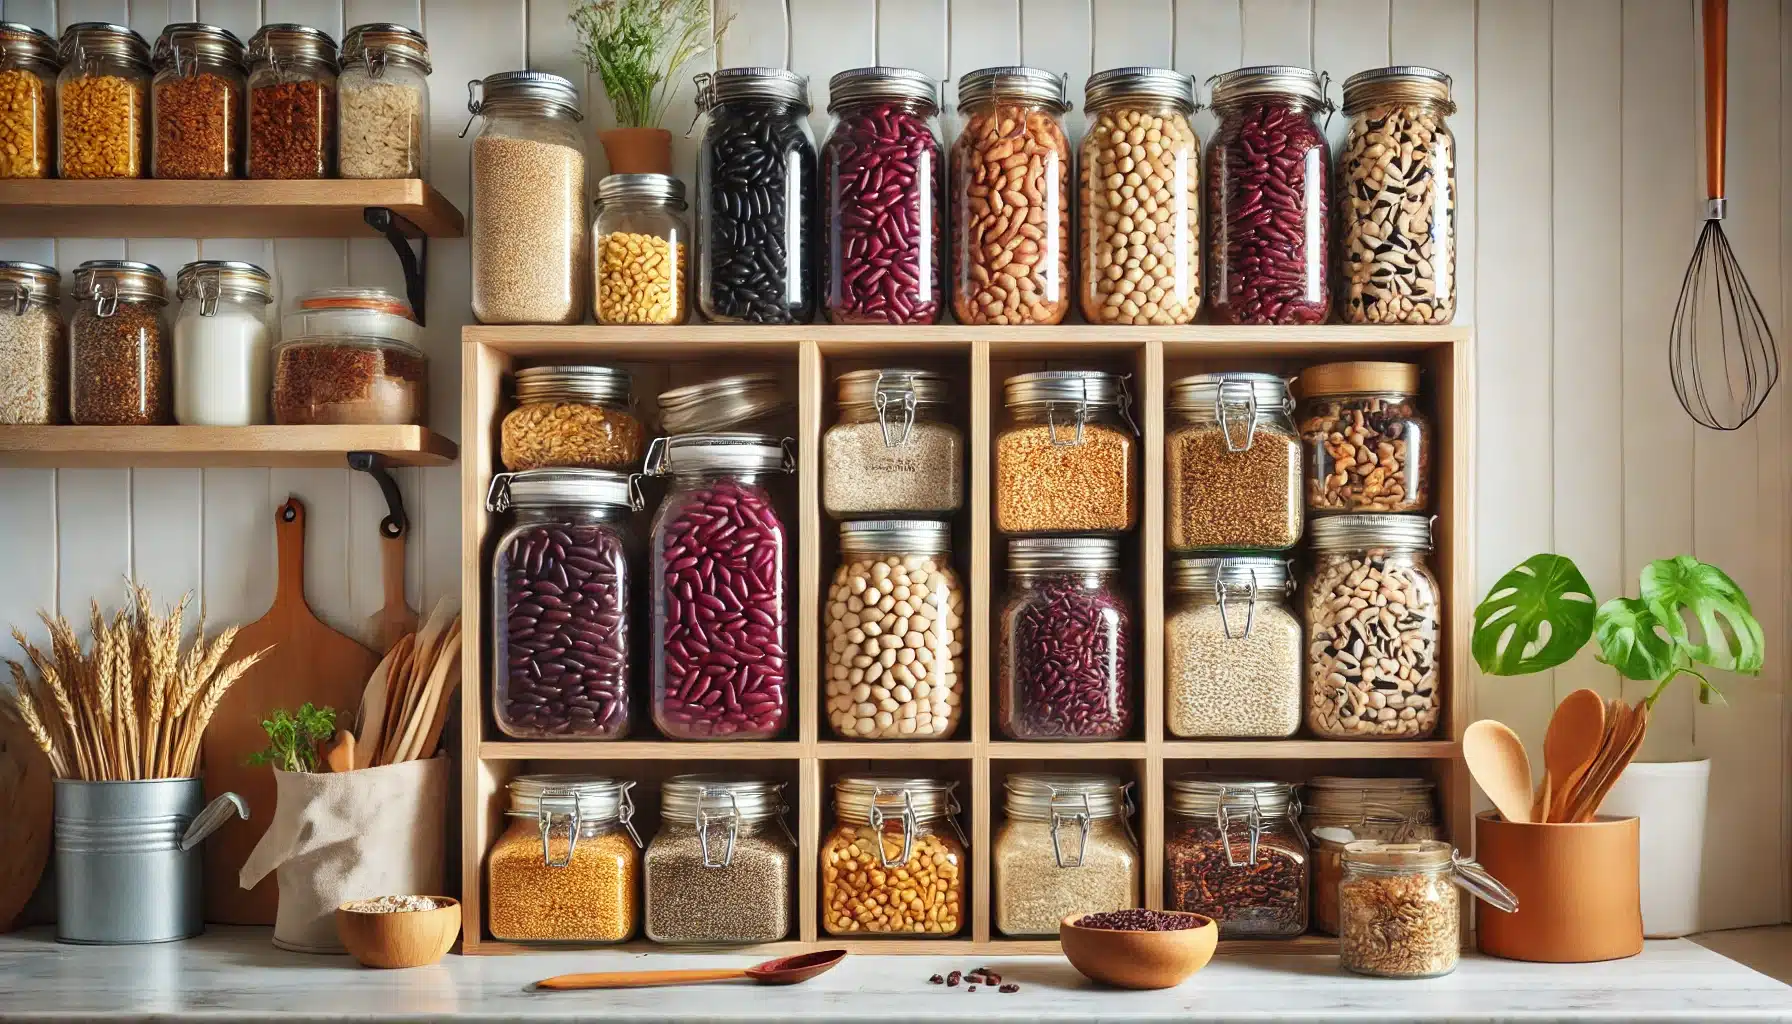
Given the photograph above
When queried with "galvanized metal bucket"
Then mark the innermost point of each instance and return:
(127, 858)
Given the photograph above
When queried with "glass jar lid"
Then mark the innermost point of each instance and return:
(772, 84)
(1064, 554)
(683, 454)
(595, 385)
(1428, 857)
(986, 84)
(864, 85)
(576, 800)
(1203, 393)
(725, 402)
(1356, 532)
(27, 46)
(892, 536)
(690, 797)
(350, 312)
(1117, 85)
(1042, 796)
(87, 40)
(895, 394)
(869, 799)
(1081, 389)
(1269, 81)
(1399, 804)
(24, 284)
(109, 281)
(560, 488)
(210, 280)
(1401, 82)
(553, 94)
(640, 188)
(183, 43)
(1233, 580)
(1358, 378)
(379, 44)
(281, 42)
(1192, 795)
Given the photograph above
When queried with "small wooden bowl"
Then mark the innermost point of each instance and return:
(1139, 959)
(402, 938)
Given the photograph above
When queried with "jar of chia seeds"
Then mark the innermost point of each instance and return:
(719, 869)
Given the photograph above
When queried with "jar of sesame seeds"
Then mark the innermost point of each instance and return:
(719, 868)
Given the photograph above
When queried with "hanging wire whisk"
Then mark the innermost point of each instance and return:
(1721, 385)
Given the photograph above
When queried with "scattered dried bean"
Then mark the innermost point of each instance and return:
(562, 665)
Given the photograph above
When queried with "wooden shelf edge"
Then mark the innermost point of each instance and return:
(835, 338)
(639, 750)
(1334, 750)
(140, 208)
(994, 946)
(324, 447)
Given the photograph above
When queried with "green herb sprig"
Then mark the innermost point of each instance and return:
(293, 738)
(636, 46)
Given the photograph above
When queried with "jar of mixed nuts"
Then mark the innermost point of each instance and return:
(719, 869)
(1397, 199)
(895, 861)
(1398, 909)
(1066, 848)
(748, 401)
(382, 100)
(892, 450)
(1011, 198)
(1064, 637)
(196, 102)
(292, 103)
(895, 633)
(102, 101)
(1141, 199)
(221, 344)
(568, 865)
(641, 248)
(350, 355)
(1232, 649)
(1235, 852)
(1067, 461)
(562, 603)
(1339, 811)
(1368, 445)
(1373, 618)
(33, 349)
(28, 68)
(575, 416)
(1233, 464)
(120, 356)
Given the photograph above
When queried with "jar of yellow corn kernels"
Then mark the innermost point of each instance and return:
(568, 867)
(895, 862)
(28, 67)
(102, 99)
(641, 241)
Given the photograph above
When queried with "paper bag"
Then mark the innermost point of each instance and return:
(340, 836)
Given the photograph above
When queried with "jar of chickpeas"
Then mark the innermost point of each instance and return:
(895, 861)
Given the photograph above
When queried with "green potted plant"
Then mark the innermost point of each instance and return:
(636, 47)
(1689, 618)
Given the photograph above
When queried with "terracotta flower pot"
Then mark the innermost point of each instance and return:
(638, 150)
(1577, 889)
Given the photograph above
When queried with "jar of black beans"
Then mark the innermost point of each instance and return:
(758, 227)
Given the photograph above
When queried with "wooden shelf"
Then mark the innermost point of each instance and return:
(214, 447)
(639, 750)
(996, 945)
(1307, 750)
(133, 208)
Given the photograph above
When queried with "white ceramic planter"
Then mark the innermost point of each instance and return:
(1669, 798)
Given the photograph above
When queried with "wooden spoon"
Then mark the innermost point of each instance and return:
(1634, 723)
(787, 970)
(1576, 733)
(1497, 760)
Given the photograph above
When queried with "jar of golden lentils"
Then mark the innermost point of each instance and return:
(572, 417)
(568, 867)
(895, 861)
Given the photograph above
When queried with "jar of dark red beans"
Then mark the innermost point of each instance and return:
(1268, 199)
(1064, 642)
(884, 174)
(1234, 851)
(757, 223)
(721, 587)
(560, 600)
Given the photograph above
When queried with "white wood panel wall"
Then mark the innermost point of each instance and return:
(1580, 177)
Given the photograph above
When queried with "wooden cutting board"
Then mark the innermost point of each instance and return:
(309, 662)
(26, 796)
(395, 619)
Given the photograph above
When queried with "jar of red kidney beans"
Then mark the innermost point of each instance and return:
(1064, 642)
(721, 587)
(1268, 199)
(883, 176)
(560, 600)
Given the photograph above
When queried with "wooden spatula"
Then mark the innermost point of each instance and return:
(396, 619)
(1627, 739)
(1576, 733)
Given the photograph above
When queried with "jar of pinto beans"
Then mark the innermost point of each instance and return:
(1268, 199)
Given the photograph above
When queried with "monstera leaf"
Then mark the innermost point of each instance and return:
(1547, 592)
(1629, 642)
(1730, 639)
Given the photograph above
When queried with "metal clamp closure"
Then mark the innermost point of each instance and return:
(1255, 821)
(909, 824)
(475, 104)
(105, 296)
(1219, 595)
(208, 288)
(545, 818)
(654, 462)
(703, 827)
(1081, 817)
(706, 98)
(788, 447)
(904, 393)
(497, 496)
(1325, 98)
(376, 62)
(1051, 424)
(1248, 406)
(16, 298)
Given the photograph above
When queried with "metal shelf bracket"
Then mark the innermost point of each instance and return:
(399, 232)
(374, 465)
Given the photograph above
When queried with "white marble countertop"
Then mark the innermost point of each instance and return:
(235, 974)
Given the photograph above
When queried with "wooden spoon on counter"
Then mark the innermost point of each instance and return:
(1497, 760)
(786, 970)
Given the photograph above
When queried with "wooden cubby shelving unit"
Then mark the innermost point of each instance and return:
(808, 757)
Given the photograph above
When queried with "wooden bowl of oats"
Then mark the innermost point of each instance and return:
(398, 931)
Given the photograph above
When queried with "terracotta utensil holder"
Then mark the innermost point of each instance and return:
(1577, 888)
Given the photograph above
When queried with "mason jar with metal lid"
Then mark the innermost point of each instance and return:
(892, 450)
(102, 102)
(222, 344)
(1338, 811)
(563, 601)
(895, 633)
(1067, 848)
(568, 865)
(642, 246)
(1064, 642)
(383, 103)
(1232, 464)
(895, 862)
(292, 103)
(1398, 909)
(120, 355)
(1397, 199)
(1374, 615)
(531, 239)
(1232, 649)
(1268, 198)
(748, 401)
(28, 68)
(722, 667)
(33, 347)
(196, 102)
(1140, 208)
(1011, 198)
(1368, 441)
(1235, 852)
(719, 868)
(884, 172)
(1067, 460)
(574, 416)
(758, 225)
